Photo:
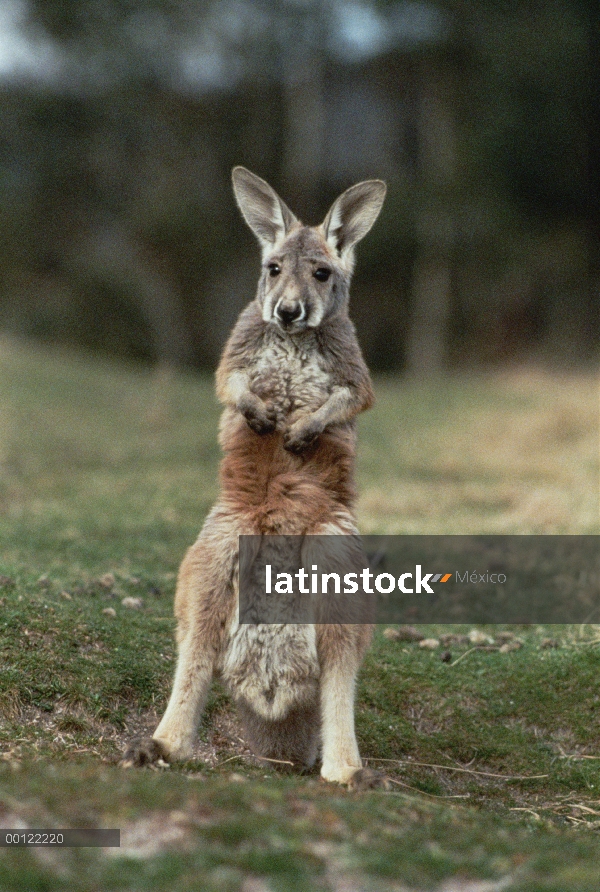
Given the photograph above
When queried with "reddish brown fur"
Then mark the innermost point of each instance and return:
(288, 437)
(276, 490)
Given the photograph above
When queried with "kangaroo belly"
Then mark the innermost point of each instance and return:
(272, 668)
(282, 493)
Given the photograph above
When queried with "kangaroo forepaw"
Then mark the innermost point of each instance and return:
(144, 751)
(300, 435)
(260, 416)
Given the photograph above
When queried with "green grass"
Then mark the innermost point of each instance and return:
(106, 474)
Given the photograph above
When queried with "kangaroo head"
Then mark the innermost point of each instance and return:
(305, 269)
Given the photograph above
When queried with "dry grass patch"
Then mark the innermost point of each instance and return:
(512, 453)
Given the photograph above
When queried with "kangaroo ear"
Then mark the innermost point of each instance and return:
(266, 214)
(352, 214)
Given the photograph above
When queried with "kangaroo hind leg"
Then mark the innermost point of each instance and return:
(343, 635)
(204, 604)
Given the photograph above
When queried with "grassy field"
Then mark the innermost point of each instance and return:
(106, 474)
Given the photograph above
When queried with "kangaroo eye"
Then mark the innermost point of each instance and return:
(321, 274)
(274, 269)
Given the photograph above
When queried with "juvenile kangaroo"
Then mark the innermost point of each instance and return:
(292, 380)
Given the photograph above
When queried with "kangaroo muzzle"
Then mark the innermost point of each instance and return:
(289, 313)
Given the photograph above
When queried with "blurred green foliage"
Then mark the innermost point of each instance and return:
(118, 230)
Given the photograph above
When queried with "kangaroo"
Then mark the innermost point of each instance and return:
(292, 380)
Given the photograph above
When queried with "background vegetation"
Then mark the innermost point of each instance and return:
(122, 120)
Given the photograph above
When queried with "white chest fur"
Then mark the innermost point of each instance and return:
(290, 373)
(273, 667)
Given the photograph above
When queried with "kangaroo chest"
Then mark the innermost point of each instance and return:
(291, 374)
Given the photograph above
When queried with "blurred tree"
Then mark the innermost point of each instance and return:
(525, 137)
(117, 224)
(435, 225)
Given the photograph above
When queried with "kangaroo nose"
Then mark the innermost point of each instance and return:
(289, 314)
